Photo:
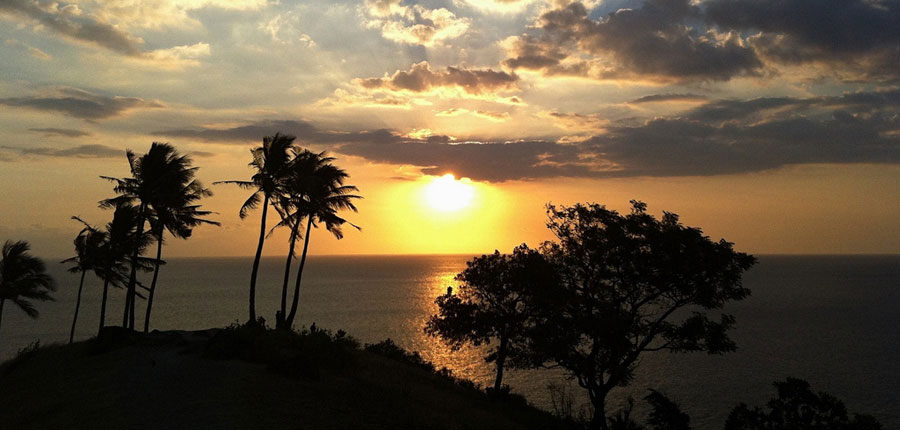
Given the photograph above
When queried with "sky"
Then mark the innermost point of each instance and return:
(774, 124)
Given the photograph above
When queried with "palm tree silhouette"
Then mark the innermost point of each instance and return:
(121, 239)
(316, 192)
(155, 176)
(270, 162)
(88, 254)
(23, 278)
(176, 213)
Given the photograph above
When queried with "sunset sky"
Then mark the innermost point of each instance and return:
(772, 123)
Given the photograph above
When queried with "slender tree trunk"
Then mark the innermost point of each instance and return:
(259, 248)
(280, 317)
(598, 400)
(501, 359)
(290, 318)
(77, 306)
(159, 242)
(128, 319)
(103, 303)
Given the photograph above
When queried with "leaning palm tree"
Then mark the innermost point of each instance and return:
(23, 278)
(317, 192)
(270, 162)
(121, 239)
(160, 172)
(88, 250)
(175, 213)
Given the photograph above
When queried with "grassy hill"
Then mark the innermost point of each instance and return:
(245, 377)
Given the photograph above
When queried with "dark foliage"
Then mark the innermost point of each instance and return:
(799, 408)
(631, 284)
(493, 303)
(666, 414)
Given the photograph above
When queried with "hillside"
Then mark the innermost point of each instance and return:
(243, 378)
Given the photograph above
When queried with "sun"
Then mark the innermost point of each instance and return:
(447, 194)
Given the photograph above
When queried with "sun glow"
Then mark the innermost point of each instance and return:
(447, 194)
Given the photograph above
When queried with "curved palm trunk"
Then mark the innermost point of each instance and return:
(259, 248)
(159, 242)
(128, 318)
(290, 318)
(77, 306)
(280, 317)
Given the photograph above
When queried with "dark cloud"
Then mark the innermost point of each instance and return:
(720, 137)
(68, 22)
(421, 78)
(79, 103)
(669, 98)
(653, 41)
(852, 34)
(81, 151)
(65, 132)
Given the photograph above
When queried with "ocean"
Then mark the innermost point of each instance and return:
(831, 320)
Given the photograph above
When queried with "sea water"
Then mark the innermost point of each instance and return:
(831, 320)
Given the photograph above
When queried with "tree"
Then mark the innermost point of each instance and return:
(88, 257)
(626, 285)
(315, 191)
(493, 302)
(121, 240)
(270, 162)
(799, 408)
(23, 278)
(176, 212)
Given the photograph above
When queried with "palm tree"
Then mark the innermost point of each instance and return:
(176, 213)
(155, 176)
(88, 249)
(121, 239)
(270, 162)
(316, 192)
(23, 278)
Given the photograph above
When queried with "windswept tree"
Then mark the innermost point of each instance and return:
(315, 192)
(494, 302)
(23, 278)
(174, 211)
(88, 257)
(162, 177)
(121, 240)
(270, 162)
(631, 284)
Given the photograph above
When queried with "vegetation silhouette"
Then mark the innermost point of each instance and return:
(88, 257)
(622, 280)
(799, 408)
(163, 187)
(270, 162)
(493, 303)
(314, 191)
(23, 278)
(121, 240)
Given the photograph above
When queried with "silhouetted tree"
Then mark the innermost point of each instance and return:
(88, 257)
(315, 191)
(121, 239)
(23, 278)
(622, 280)
(493, 302)
(799, 408)
(270, 162)
(666, 414)
(175, 211)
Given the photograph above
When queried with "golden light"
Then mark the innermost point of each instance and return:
(448, 194)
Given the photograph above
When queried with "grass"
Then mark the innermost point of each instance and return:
(246, 376)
